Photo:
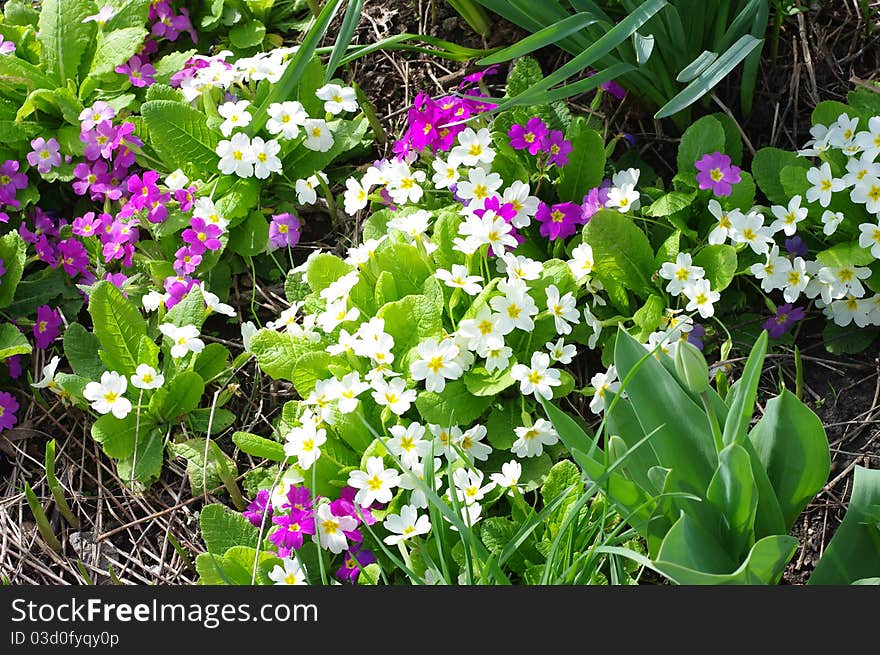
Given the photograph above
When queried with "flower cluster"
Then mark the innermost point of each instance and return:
(536, 137)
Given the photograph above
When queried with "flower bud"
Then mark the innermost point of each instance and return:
(691, 367)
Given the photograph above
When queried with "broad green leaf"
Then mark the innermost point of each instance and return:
(259, 446)
(117, 436)
(719, 263)
(767, 166)
(410, 320)
(222, 529)
(621, 251)
(481, 382)
(189, 311)
(742, 400)
(81, 350)
(178, 397)
(854, 552)
(524, 73)
(64, 37)
(849, 340)
(324, 269)
(118, 325)
(735, 495)
(649, 315)
(115, 48)
(347, 135)
(670, 203)
(310, 367)
(501, 423)
(455, 405)
(790, 442)
(250, 237)
(205, 462)
(145, 465)
(586, 163)
(235, 567)
(181, 136)
(845, 254)
(405, 263)
(277, 352)
(212, 361)
(247, 35)
(12, 252)
(704, 137)
(12, 342)
(19, 73)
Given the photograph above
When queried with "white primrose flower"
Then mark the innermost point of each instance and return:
(248, 330)
(355, 198)
(264, 155)
(530, 440)
(869, 140)
(581, 262)
(479, 186)
(701, 298)
(104, 14)
(562, 309)
(788, 218)
(824, 185)
(153, 299)
(184, 339)
(849, 310)
(750, 229)
(306, 189)
(374, 484)
(560, 351)
(509, 476)
(497, 356)
(323, 396)
(47, 378)
(867, 193)
(331, 529)
(858, 169)
(526, 206)
(519, 267)
(408, 443)
(845, 280)
(773, 272)
(176, 180)
(472, 445)
(604, 384)
(489, 229)
(108, 395)
(318, 135)
(445, 175)
(445, 440)
(146, 377)
(468, 486)
(304, 443)
(436, 364)
(413, 225)
(724, 227)
(473, 148)
(818, 145)
(406, 525)
(411, 479)
(393, 394)
(843, 132)
(278, 497)
(662, 342)
(348, 390)
(236, 115)
(235, 156)
(336, 312)
(291, 573)
(595, 325)
(470, 515)
(205, 209)
(796, 280)
(681, 273)
(404, 183)
(482, 331)
(212, 301)
(458, 278)
(537, 378)
(339, 289)
(360, 255)
(624, 198)
(869, 237)
(830, 221)
(337, 99)
(516, 307)
(286, 118)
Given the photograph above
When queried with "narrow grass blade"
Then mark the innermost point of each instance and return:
(697, 66)
(551, 34)
(343, 38)
(710, 77)
(55, 487)
(41, 519)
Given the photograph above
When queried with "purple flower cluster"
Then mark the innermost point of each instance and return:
(284, 231)
(11, 182)
(46, 329)
(8, 408)
(716, 172)
(167, 24)
(429, 122)
(295, 519)
(536, 137)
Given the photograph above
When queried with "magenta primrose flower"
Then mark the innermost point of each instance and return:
(560, 220)
(46, 327)
(202, 234)
(716, 172)
(11, 181)
(292, 528)
(529, 136)
(73, 257)
(558, 148)
(284, 231)
(140, 73)
(45, 154)
(260, 506)
(354, 562)
(6, 47)
(8, 408)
